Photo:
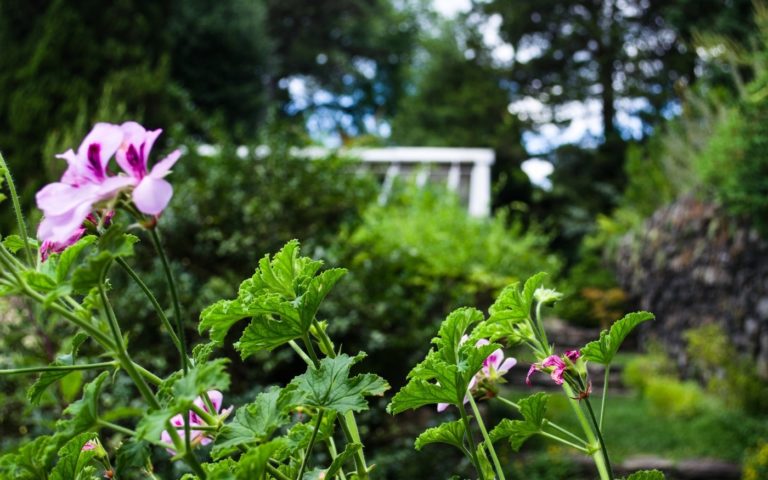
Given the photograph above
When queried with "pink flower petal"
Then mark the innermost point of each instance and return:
(531, 371)
(442, 406)
(152, 195)
(506, 365)
(163, 167)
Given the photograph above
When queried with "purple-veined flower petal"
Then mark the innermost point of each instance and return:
(135, 148)
(572, 355)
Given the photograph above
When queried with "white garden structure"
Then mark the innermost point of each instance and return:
(467, 171)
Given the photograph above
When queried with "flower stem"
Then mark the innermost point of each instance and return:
(276, 473)
(174, 298)
(310, 445)
(116, 427)
(597, 456)
(605, 390)
(599, 438)
(488, 442)
(17, 210)
(332, 450)
(122, 352)
(58, 368)
(296, 348)
(563, 441)
(468, 434)
(209, 419)
(546, 422)
(155, 304)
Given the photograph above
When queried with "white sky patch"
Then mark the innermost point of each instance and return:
(538, 172)
(449, 8)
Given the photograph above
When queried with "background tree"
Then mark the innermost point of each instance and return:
(457, 99)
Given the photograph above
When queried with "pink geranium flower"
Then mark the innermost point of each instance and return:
(558, 366)
(67, 203)
(151, 192)
(197, 436)
(494, 367)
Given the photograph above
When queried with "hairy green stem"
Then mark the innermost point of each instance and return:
(17, 210)
(209, 419)
(58, 368)
(546, 422)
(468, 435)
(597, 456)
(276, 473)
(177, 316)
(153, 300)
(599, 437)
(334, 453)
(564, 441)
(174, 297)
(486, 438)
(296, 348)
(347, 421)
(605, 390)
(311, 445)
(116, 427)
(122, 352)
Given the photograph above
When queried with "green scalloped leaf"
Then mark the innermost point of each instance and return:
(451, 433)
(605, 348)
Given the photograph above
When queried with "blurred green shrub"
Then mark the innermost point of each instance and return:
(414, 259)
(729, 375)
(653, 375)
(756, 463)
(671, 397)
(640, 369)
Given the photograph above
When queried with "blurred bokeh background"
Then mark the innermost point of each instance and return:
(631, 163)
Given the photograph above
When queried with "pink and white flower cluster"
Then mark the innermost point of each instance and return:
(87, 181)
(494, 367)
(555, 366)
(197, 436)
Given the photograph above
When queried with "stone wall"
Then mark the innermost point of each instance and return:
(691, 265)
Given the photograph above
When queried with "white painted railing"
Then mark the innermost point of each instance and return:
(465, 170)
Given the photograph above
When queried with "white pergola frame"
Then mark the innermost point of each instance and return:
(480, 159)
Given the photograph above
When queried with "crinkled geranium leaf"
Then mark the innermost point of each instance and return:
(35, 392)
(33, 460)
(253, 463)
(532, 409)
(211, 375)
(330, 387)
(69, 257)
(132, 455)
(83, 413)
(73, 462)
(338, 462)
(605, 348)
(113, 244)
(451, 433)
(255, 422)
(445, 374)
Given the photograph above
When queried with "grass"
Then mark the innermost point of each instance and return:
(633, 427)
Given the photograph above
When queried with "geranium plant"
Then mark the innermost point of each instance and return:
(101, 208)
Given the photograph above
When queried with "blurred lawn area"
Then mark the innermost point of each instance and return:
(634, 428)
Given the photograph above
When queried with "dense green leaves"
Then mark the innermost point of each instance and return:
(282, 298)
(451, 433)
(46, 379)
(255, 422)
(113, 244)
(132, 455)
(73, 461)
(604, 349)
(532, 409)
(445, 374)
(330, 387)
(83, 413)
